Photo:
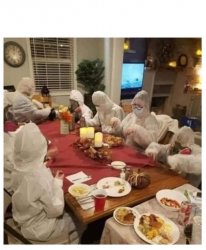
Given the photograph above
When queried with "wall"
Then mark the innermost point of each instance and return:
(87, 48)
(192, 101)
(13, 75)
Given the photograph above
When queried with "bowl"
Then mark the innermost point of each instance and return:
(118, 164)
(79, 190)
(170, 199)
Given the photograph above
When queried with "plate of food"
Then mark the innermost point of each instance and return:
(113, 141)
(125, 215)
(170, 199)
(118, 164)
(114, 186)
(156, 229)
(79, 190)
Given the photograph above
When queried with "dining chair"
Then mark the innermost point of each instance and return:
(12, 232)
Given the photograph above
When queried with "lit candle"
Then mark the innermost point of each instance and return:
(83, 132)
(90, 132)
(98, 139)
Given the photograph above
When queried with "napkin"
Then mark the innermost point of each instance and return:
(88, 201)
(78, 177)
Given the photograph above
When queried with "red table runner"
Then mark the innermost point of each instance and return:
(71, 160)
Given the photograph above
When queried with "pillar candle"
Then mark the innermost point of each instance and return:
(90, 132)
(83, 132)
(98, 139)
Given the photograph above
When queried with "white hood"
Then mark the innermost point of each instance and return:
(141, 98)
(185, 136)
(101, 100)
(77, 96)
(30, 148)
(26, 86)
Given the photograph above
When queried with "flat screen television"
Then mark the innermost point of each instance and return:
(132, 79)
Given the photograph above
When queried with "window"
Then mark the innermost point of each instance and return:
(53, 63)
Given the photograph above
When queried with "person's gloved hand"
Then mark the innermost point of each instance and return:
(52, 116)
(59, 175)
(115, 122)
(129, 132)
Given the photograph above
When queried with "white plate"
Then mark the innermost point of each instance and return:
(118, 164)
(170, 194)
(79, 190)
(135, 213)
(111, 186)
(174, 234)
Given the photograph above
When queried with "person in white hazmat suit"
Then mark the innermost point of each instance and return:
(140, 127)
(181, 155)
(23, 109)
(38, 199)
(78, 107)
(106, 109)
(10, 131)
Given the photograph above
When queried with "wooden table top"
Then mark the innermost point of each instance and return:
(160, 179)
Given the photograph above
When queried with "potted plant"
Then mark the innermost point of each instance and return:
(90, 74)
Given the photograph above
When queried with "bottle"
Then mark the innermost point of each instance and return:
(197, 227)
(185, 212)
(82, 122)
(122, 174)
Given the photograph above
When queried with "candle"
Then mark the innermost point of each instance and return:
(90, 132)
(98, 138)
(83, 132)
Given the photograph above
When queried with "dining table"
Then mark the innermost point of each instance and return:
(70, 160)
(115, 233)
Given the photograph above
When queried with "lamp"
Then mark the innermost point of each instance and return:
(126, 44)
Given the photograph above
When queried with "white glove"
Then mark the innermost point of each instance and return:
(115, 122)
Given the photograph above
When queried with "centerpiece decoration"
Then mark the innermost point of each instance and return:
(66, 119)
(92, 148)
(138, 179)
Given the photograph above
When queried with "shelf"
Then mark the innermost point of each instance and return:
(161, 95)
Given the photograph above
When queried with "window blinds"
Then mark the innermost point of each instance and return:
(53, 62)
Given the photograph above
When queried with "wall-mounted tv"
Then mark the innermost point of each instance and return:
(132, 79)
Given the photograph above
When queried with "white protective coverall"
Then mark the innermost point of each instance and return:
(23, 109)
(38, 199)
(139, 127)
(106, 109)
(8, 147)
(9, 138)
(78, 97)
(188, 165)
(166, 123)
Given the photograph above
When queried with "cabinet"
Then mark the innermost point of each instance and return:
(158, 84)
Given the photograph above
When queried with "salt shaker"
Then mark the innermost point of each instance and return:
(122, 174)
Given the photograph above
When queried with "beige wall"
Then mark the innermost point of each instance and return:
(13, 75)
(87, 48)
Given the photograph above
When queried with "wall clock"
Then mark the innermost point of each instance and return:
(14, 54)
(182, 60)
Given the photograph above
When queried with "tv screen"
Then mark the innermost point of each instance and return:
(132, 79)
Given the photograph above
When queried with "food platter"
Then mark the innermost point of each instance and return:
(170, 199)
(113, 141)
(114, 186)
(162, 231)
(125, 215)
(79, 190)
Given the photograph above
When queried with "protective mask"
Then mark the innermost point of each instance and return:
(138, 111)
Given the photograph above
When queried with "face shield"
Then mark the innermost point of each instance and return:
(140, 104)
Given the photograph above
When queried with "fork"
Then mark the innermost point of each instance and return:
(82, 178)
